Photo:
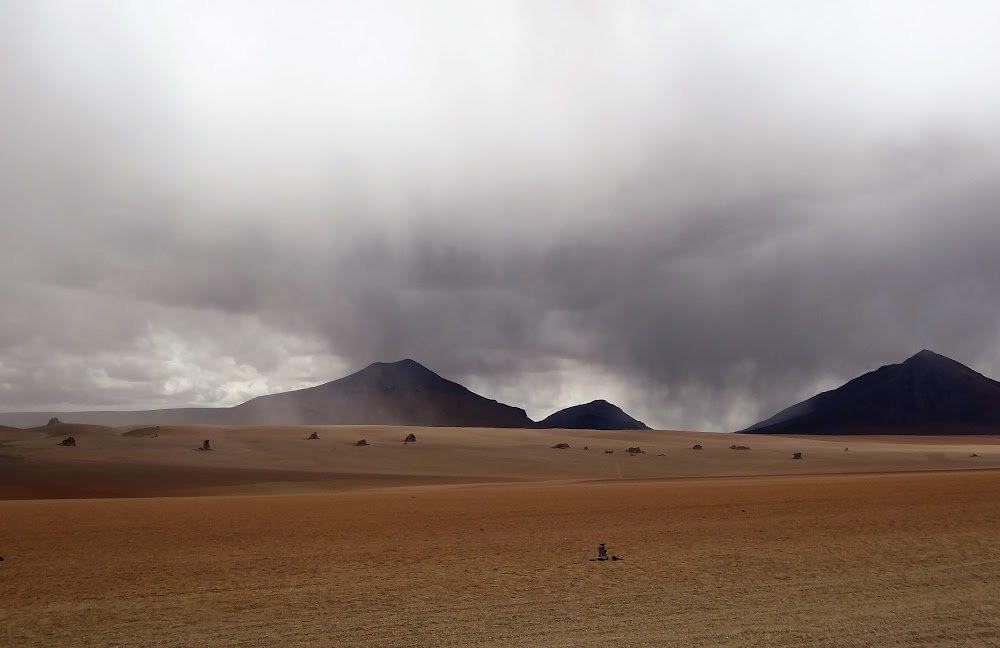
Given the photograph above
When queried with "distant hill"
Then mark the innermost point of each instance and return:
(596, 415)
(384, 393)
(926, 394)
(393, 393)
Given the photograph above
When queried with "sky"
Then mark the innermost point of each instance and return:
(702, 212)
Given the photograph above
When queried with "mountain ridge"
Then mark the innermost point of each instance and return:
(383, 393)
(927, 393)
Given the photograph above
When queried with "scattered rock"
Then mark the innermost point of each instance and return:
(739, 447)
(696, 446)
(53, 421)
(845, 449)
(635, 450)
(410, 438)
(609, 452)
(661, 455)
(362, 442)
(68, 441)
(586, 448)
(797, 455)
(560, 446)
(313, 436)
(973, 455)
(616, 557)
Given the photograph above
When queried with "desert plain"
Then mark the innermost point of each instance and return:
(487, 537)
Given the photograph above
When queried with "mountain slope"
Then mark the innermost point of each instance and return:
(397, 393)
(596, 415)
(926, 394)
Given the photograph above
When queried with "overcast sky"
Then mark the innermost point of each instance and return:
(701, 211)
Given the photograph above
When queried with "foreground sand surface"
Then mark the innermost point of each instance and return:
(482, 537)
(877, 560)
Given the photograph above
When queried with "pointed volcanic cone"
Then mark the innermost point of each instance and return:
(926, 394)
(384, 393)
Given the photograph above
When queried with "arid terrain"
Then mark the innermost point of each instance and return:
(485, 537)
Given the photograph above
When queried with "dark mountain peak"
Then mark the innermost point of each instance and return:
(595, 415)
(926, 393)
(384, 393)
(928, 358)
(405, 363)
(401, 376)
(400, 367)
(929, 370)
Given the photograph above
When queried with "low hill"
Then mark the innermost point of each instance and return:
(596, 415)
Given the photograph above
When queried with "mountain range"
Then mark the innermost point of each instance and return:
(383, 393)
(926, 394)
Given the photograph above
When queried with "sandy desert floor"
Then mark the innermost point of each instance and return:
(473, 537)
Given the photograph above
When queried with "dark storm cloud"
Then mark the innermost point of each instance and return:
(700, 216)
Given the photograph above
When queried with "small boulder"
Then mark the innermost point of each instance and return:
(616, 557)
(410, 438)
(696, 446)
(609, 452)
(53, 421)
(635, 450)
(206, 445)
(312, 437)
(362, 442)
(68, 441)
(797, 455)
(560, 446)
(973, 455)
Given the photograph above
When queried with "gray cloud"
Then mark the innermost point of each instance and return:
(700, 215)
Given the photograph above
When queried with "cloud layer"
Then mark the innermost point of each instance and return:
(701, 214)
